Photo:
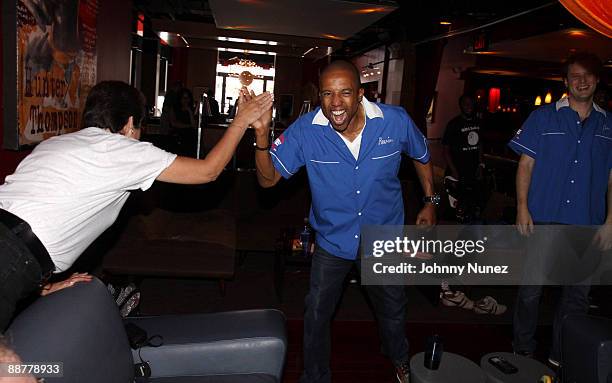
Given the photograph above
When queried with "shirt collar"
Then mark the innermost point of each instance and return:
(371, 110)
(564, 102)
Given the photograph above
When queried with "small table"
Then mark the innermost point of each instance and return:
(453, 368)
(288, 253)
(529, 370)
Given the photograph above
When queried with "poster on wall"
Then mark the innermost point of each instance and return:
(54, 43)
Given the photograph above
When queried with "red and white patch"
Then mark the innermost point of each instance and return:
(278, 142)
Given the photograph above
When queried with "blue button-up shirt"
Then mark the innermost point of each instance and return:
(573, 159)
(349, 193)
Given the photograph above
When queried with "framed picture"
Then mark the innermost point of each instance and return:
(45, 87)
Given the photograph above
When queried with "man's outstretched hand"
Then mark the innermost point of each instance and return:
(262, 124)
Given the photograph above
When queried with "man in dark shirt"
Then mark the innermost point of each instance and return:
(463, 154)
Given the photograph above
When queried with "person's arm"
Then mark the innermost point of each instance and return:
(267, 175)
(427, 215)
(449, 161)
(604, 235)
(185, 170)
(524, 223)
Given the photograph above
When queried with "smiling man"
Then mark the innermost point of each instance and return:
(351, 149)
(562, 178)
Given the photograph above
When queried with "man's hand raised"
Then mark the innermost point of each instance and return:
(262, 124)
(251, 108)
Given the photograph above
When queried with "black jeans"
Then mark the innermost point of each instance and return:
(20, 274)
(326, 285)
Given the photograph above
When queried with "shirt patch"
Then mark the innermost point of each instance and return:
(278, 142)
(385, 141)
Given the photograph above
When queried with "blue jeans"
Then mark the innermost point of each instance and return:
(20, 274)
(326, 285)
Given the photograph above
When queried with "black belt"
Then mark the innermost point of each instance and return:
(23, 231)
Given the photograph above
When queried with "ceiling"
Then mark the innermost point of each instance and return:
(328, 19)
(559, 45)
(347, 28)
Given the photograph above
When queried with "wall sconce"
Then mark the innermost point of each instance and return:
(538, 101)
(548, 98)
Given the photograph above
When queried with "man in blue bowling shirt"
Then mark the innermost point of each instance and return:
(351, 148)
(562, 178)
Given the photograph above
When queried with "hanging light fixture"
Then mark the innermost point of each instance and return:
(538, 101)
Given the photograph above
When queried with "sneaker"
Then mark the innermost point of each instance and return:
(488, 305)
(456, 299)
(554, 363)
(402, 372)
(526, 354)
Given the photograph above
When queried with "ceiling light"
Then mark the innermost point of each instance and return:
(330, 36)
(164, 36)
(365, 11)
(445, 23)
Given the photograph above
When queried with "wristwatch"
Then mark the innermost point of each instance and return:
(432, 199)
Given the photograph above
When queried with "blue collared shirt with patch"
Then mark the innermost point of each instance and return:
(349, 193)
(572, 163)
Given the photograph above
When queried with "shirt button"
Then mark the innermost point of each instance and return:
(575, 161)
(568, 201)
(578, 122)
(358, 191)
(359, 213)
(578, 141)
(572, 181)
(356, 236)
(356, 167)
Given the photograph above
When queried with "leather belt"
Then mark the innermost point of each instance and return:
(24, 232)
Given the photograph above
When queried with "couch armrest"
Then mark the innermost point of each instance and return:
(227, 343)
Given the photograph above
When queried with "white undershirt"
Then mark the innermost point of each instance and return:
(356, 144)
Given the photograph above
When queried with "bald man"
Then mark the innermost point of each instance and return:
(351, 148)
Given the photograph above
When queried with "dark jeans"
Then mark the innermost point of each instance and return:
(326, 285)
(20, 274)
(574, 300)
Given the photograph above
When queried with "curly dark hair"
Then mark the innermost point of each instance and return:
(110, 104)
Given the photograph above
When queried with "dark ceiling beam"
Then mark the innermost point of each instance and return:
(210, 31)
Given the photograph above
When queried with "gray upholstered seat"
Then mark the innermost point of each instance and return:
(81, 328)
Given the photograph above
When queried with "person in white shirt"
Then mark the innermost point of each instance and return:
(72, 187)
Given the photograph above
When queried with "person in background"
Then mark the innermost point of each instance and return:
(183, 123)
(563, 176)
(71, 187)
(351, 149)
(463, 154)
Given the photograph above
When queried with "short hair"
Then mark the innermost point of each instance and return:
(465, 96)
(110, 104)
(588, 61)
(342, 65)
